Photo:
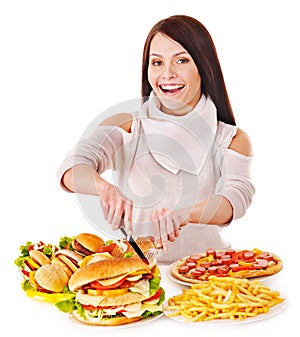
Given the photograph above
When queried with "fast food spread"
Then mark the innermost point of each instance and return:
(106, 283)
(230, 262)
(99, 283)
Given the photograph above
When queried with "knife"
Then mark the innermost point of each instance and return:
(133, 244)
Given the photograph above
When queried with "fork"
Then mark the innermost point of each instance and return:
(152, 253)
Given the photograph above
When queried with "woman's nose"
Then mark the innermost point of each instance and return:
(169, 72)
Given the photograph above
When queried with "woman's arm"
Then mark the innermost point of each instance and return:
(218, 209)
(84, 178)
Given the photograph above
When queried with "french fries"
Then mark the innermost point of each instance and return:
(223, 298)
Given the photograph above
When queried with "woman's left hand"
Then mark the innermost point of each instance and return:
(167, 225)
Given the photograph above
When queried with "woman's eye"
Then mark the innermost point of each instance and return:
(156, 63)
(180, 61)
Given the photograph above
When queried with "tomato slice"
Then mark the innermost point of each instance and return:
(108, 248)
(156, 295)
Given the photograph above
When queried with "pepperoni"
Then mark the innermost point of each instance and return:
(249, 256)
(230, 252)
(194, 258)
(227, 261)
(196, 273)
(183, 269)
(234, 267)
(213, 269)
(216, 262)
(220, 254)
(201, 269)
(191, 265)
(210, 251)
(223, 270)
(266, 256)
(261, 264)
(205, 264)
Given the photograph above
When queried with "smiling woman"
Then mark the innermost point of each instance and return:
(173, 76)
(180, 163)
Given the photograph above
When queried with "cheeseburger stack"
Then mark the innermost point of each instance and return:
(115, 291)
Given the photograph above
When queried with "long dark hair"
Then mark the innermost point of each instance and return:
(194, 37)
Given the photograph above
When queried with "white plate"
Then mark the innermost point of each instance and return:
(275, 310)
(109, 327)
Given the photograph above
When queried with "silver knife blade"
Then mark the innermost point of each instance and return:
(134, 245)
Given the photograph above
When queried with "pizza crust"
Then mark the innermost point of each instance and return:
(271, 270)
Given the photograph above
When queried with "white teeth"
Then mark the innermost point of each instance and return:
(171, 86)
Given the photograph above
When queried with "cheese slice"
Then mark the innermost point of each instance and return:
(142, 287)
(139, 312)
(89, 299)
(113, 280)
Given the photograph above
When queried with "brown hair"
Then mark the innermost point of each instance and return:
(195, 38)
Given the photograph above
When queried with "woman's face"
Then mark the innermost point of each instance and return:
(173, 76)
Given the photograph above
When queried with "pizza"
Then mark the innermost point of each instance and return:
(230, 262)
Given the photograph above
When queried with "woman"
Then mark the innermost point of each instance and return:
(182, 166)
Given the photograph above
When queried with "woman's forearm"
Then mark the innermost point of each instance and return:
(83, 179)
(215, 211)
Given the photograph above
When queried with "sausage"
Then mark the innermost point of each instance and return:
(249, 256)
(211, 251)
(205, 264)
(222, 270)
(266, 256)
(230, 252)
(234, 267)
(197, 273)
(213, 269)
(261, 264)
(191, 264)
(227, 261)
(194, 258)
(183, 269)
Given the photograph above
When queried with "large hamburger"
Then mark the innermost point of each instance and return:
(115, 291)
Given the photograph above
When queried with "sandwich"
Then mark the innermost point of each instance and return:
(44, 278)
(114, 291)
(33, 256)
(68, 259)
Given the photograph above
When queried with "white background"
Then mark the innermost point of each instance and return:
(63, 62)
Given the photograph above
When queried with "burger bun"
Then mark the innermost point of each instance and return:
(51, 277)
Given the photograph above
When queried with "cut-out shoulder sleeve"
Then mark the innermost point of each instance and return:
(235, 182)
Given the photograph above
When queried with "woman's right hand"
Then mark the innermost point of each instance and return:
(115, 206)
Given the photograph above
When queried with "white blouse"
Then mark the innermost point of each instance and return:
(170, 162)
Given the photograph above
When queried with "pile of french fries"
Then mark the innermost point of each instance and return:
(223, 298)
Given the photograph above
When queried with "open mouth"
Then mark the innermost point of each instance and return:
(171, 88)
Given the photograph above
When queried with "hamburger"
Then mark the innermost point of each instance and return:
(115, 291)
(50, 278)
(87, 243)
